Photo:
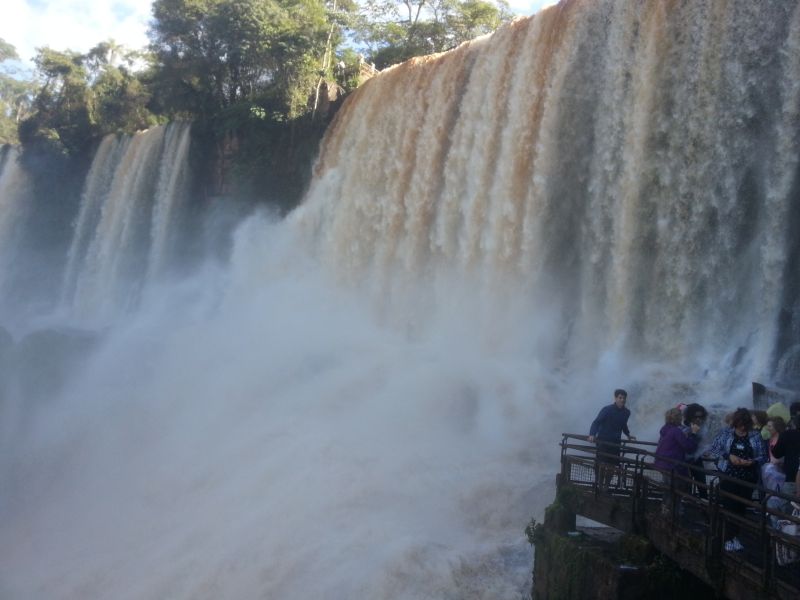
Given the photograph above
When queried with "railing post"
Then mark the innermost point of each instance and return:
(714, 541)
(765, 549)
(673, 505)
(636, 493)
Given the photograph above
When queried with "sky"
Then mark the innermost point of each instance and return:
(81, 24)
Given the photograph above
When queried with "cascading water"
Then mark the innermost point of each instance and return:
(14, 204)
(634, 163)
(365, 402)
(132, 199)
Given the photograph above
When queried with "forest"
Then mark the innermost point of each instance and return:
(241, 67)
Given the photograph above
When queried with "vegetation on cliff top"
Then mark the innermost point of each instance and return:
(255, 76)
(224, 61)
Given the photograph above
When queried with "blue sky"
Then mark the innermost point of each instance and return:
(81, 24)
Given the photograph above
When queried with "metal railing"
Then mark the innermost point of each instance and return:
(705, 506)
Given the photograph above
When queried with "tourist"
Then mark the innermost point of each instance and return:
(760, 419)
(794, 416)
(787, 447)
(673, 446)
(718, 441)
(607, 429)
(674, 443)
(779, 409)
(740, 454)
(772, 475)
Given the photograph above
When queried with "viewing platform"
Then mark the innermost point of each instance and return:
(667, 510)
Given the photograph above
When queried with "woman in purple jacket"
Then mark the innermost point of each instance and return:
(675, 444)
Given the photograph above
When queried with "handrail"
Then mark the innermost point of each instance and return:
(640, 482)
(623, 442)
(676, 463)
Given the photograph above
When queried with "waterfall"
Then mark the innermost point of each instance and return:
(15, 188)
(96, 190)
(365, 400)
(170, 196)
(130, 207)
(632, 163)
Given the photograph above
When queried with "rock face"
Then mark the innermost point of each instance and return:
(603, 563)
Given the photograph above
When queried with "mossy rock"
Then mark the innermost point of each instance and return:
(557, 517)
(636, 549)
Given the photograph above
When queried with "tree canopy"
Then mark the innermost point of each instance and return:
(213, 54)
(84, 96)
(16, 95)
(226, 63)
(396, 30)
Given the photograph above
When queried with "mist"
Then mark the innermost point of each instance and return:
(260, 431)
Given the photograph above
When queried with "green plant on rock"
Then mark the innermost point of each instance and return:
(534, 532)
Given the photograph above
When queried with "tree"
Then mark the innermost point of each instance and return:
(396, 30)
(16, 95)
(214, 54)
(85, 96)
(61, 115)
(119, 95)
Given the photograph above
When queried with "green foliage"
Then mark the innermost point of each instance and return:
(213, 54)
(226, 63)
(61, 115)
(120, 97)
(534, 532)
(346, 72)
(252, 74)
(7, 51)
(395, 30)
(16, 95)
(84, 96)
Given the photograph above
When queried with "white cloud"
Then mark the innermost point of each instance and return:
(73, 24)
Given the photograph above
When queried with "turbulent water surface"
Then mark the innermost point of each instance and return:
(364, 399)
